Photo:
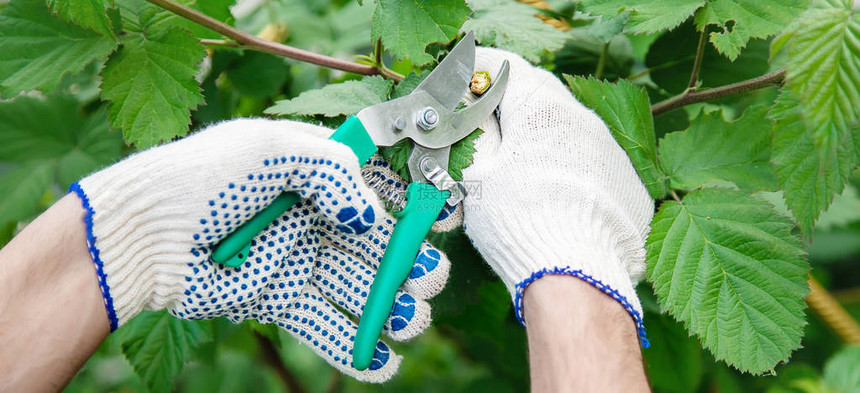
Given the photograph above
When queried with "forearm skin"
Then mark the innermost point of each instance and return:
(52, 314)
(580, 340)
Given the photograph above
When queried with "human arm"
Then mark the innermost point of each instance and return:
(586, 345)
(559, 198)
(151, 221)
(52, 315)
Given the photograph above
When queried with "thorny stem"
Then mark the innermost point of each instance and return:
(273, 360)
(675, 196)
(601, 64)
(691, 96)
(700, 54)
(248, 41)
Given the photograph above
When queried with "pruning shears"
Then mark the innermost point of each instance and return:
(429, 118)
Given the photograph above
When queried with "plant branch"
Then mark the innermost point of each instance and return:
(229, 44)
(377, 57)
(273, 360)
(832, 313)
(700, 54)
(639, 74)
(601, 64)
(691, 96)
(245, 40)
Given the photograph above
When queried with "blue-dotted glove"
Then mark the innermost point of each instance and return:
(153, 219)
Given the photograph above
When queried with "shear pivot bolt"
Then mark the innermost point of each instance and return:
(428, 118)
(428, 164)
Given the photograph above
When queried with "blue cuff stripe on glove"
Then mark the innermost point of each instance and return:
(567, 270)
(94, 253)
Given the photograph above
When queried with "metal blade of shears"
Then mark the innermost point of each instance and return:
(450, 79)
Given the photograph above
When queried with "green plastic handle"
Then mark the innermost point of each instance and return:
(233, 249)
(423, 204)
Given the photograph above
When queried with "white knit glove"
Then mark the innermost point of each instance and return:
(153, 218)
(557, 194)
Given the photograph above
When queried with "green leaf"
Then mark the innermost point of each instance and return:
(512, 26)
(625, 109)
(90, 14)
(44, 141)
(840, 372)
(408, 84)
(674, 359)
(740, 20)
(39, 48)
(24, 186)
(460, 158)
(606, 27)
(54, 130)
(823, 70)
(462, 154)
(93, 146)
(713, 148)
(158, 345)
(149, 82)
(397, 155)
(672, 55)
(810, 171)
(727, 265)
(345, 98)
(647, 16)
(258, 74)
(406, 27)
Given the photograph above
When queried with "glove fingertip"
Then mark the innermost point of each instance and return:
(429, 273)
(449, 219)
(409, 318)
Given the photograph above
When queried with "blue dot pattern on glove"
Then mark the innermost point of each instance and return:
(402, 313)
(241, 200)
(352, 222)
(295, 269)
(425, 263)
(281, 279)
(380, 356)
(346, 282)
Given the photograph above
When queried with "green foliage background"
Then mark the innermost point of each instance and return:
(753, 188)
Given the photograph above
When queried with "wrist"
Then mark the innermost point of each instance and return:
(598, 245)
(555, 298)
(618, 289)
(52, 316)
(580, 339)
